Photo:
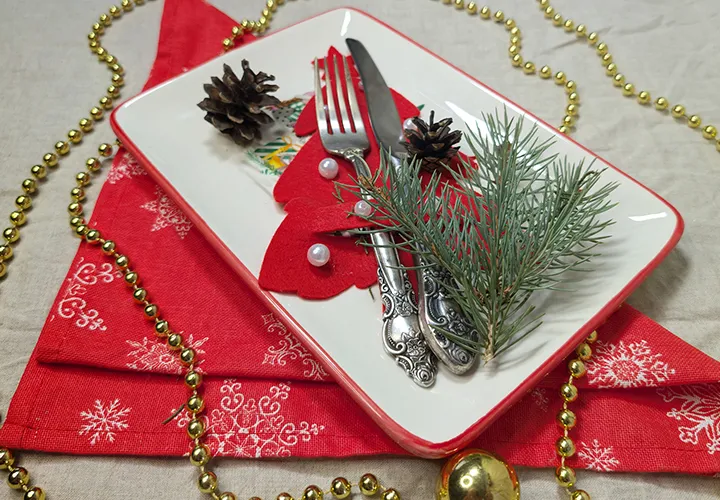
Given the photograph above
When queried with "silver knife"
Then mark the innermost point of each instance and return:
(437, 311)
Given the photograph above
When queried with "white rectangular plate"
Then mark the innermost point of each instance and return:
(210, 179)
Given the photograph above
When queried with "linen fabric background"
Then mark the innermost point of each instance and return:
(678, 295)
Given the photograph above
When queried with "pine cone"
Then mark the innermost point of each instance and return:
(433, 143)
(235, 106)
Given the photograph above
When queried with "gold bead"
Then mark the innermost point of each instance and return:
(544, 3)
(607, 58)
(565, 447)
(195, 404)
(509, 24)
(82, 179)
(560, 78)
(105, 20)
(50, 160)
(174, 341)
(94, 46)
(515, 32)
(236, 31)
(391, 494)
(644, 97)
(284, 496)
(161, 327)
(485, 12)
(245, 25)
(110, 59)
(514, 49)
(572, 109)
(150, 311)
(602, 48)
(131, 278)
(545, 72)
(694, 121)
(113, 91)
(3, 272)
(579, 495)
(17, 218)
(74, 136)
(195, 428)
(678, 111)
(96, 113)
(23, 202)
(105, 149)
(567, 419)
(499, 16)
(108, 247)
(568, 121)
(207, 482)
(584, 351)
(577, 368)
(661, 104)
(93, 236)
(272, 5)
(139, 2)
(549, 11)
(92, 37)
(570, 86)
(517, 60)
(558, 19)
(574, 98)
(62, 148)
(340, 488)
(6, 252)
(122, 262)
(29, 186)
(227, 44)
(86, 125)
(592, 38)
(563, 129)
(565, 476)
(115, 12)
(126, 5)
(368, 485)
(93, 164)
(516, 40)
(619, 80)
(101, 53)
(312, 492)
(476, 474)
(611, 69)
(231, 496)
(106, 102)
(18, 478)
(459, 4)
(34, 494)
(200, 455)
(11, 234)
(75, 208)
(76, 221)
(472, 8)
(629, 89)
(38, 171)
(529, 68)
(193, 379)
(710, 132)
(569, 392)
(569, 25)
(581, 30)
(139, 295)
(117, 80)
(187, 356)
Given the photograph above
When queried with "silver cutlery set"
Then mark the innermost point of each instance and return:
(412, 329)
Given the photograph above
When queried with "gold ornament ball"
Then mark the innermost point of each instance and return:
(569, 392)
(195, 404)
(565, 476)
(391, 494)
(62, 148)
(105, 20)
(50, 160)
(17, 218)
(340, 488)
(602, 48)
(568, 121)
(577, 368)
(629, 89)
(549, 11)
(126, 5)
(11, 235)
(694, 121)
(529, 68)
(18, 478)
(150, 311)
(560, 78)
(710, 132)
(592, 38)
(368, 485)
(678, 111)
(29, 186)
(161, 327)
(499, 16)
(108, 247)
(515, 32)
(106, 102)
(140, 295)
(485, 12)
(86, 125)
(545, 72)
(607, 58)
(569, 25)
(195, 428)
(207, 482)
(117, 80)
(174, 341)
(558, 19)
(509, 24)
(113, 91)
(513, 50)
(584, 351)
(187, 356)
(34, 494)
(565, 447)
(76, 221)
(110, 59)
(581, 30)
(517, 60)
(131, 278)
(200, 455)
(619, 80)
(74, 136)
(23, 202)
(478, 475)
(38, 171)
(572, 109)
(566, 419)
(563, 129)
(312, 492)
(570, 86)
(193, 379)
(611, 69)
(105, 149)
(472, 8)
(93, 164)
(82, 179)
(574, 98)
(579, 495)
(96, 113)
(644, 97)
(516, 40)
(6, 252)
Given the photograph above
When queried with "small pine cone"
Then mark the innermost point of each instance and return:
(236, 107)
(433, 143)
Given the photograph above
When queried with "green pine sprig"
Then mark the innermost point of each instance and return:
(510, 226)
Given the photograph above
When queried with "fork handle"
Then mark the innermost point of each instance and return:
(402, 334)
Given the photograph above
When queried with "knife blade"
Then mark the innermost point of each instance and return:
(437, 311)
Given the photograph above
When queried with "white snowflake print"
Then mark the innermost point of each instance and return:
(167, 214)
(289, 348)
(700, 409)
(73, 305)
(103, 421)
(125, 168)
(154, 356)
(248, 428)
(597, 457)
(631, 365)
(540, 397)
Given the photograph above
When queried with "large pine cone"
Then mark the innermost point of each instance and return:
(235, 106)
(432, 143)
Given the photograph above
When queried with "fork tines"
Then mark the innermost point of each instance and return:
(341, 117)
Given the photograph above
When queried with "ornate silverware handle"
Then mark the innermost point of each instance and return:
(402, 335)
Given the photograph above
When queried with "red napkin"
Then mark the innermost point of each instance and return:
(99, 383)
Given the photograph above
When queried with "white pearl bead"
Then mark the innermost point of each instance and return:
(409, 125)
(318, 255)
(328, 168)
(363, 208)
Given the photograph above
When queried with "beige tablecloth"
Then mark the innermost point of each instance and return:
(48, 80)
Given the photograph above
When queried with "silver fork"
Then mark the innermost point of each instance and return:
(402, 337)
